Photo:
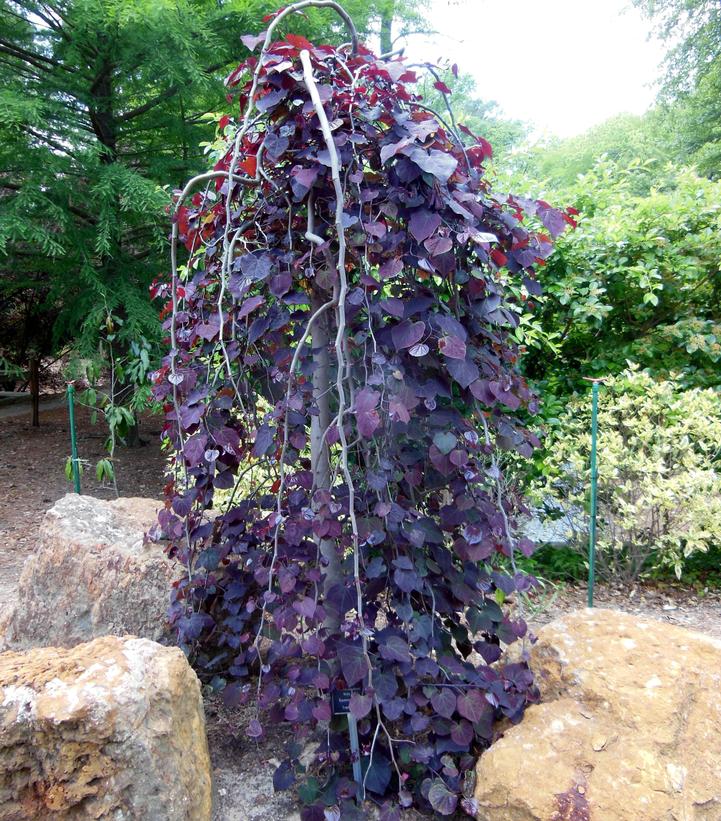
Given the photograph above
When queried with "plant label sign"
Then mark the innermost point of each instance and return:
(341, 701)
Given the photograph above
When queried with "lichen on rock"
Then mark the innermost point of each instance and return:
(91, 575)
(111, 729)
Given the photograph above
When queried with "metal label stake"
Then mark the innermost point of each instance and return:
(341, 706)
(73, 438)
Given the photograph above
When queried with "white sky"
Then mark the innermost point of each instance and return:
(560, 65)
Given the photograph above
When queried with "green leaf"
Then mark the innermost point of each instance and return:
(445, 442)
(650, 298)
(104, 470)
(309, 790)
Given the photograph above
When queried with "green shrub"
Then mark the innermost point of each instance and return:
(659, 466)
(555, 564)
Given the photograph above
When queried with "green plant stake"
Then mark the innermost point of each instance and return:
(594, 483)
(73, 438)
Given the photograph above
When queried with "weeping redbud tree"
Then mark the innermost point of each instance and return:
(342, 366)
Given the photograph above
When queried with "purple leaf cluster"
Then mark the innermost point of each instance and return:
(269, 607)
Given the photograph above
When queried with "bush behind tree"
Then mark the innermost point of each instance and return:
(659, 473)
(638, 279)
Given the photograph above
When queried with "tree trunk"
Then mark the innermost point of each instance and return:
(102, 115)
(35, 389)
(132, 437)
(319, 451)
(387, 27)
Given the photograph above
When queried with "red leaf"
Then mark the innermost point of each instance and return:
(273, 14)
(442, 87)
(249, 165)
(467, 131)
(299, 41)
(233, 78)
(499, 257)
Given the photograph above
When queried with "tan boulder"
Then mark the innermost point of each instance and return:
(112, 729)
(91, 575)
(629, 728)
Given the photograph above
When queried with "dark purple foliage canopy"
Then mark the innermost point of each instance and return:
(431, 391)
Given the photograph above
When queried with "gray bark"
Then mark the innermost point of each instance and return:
(319, 451)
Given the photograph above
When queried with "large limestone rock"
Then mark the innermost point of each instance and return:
(112, 729)
(629, 728)
(91, 576)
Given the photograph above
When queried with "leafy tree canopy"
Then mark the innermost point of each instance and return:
(693, 28)
(691, 89)
(622, 139)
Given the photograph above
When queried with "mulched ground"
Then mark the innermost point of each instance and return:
(32, 477)
(672, 603)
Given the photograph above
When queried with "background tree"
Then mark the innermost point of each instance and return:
(555, 164)
(691, 89)
(94, 102)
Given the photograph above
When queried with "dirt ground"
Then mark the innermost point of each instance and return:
(32, 477)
